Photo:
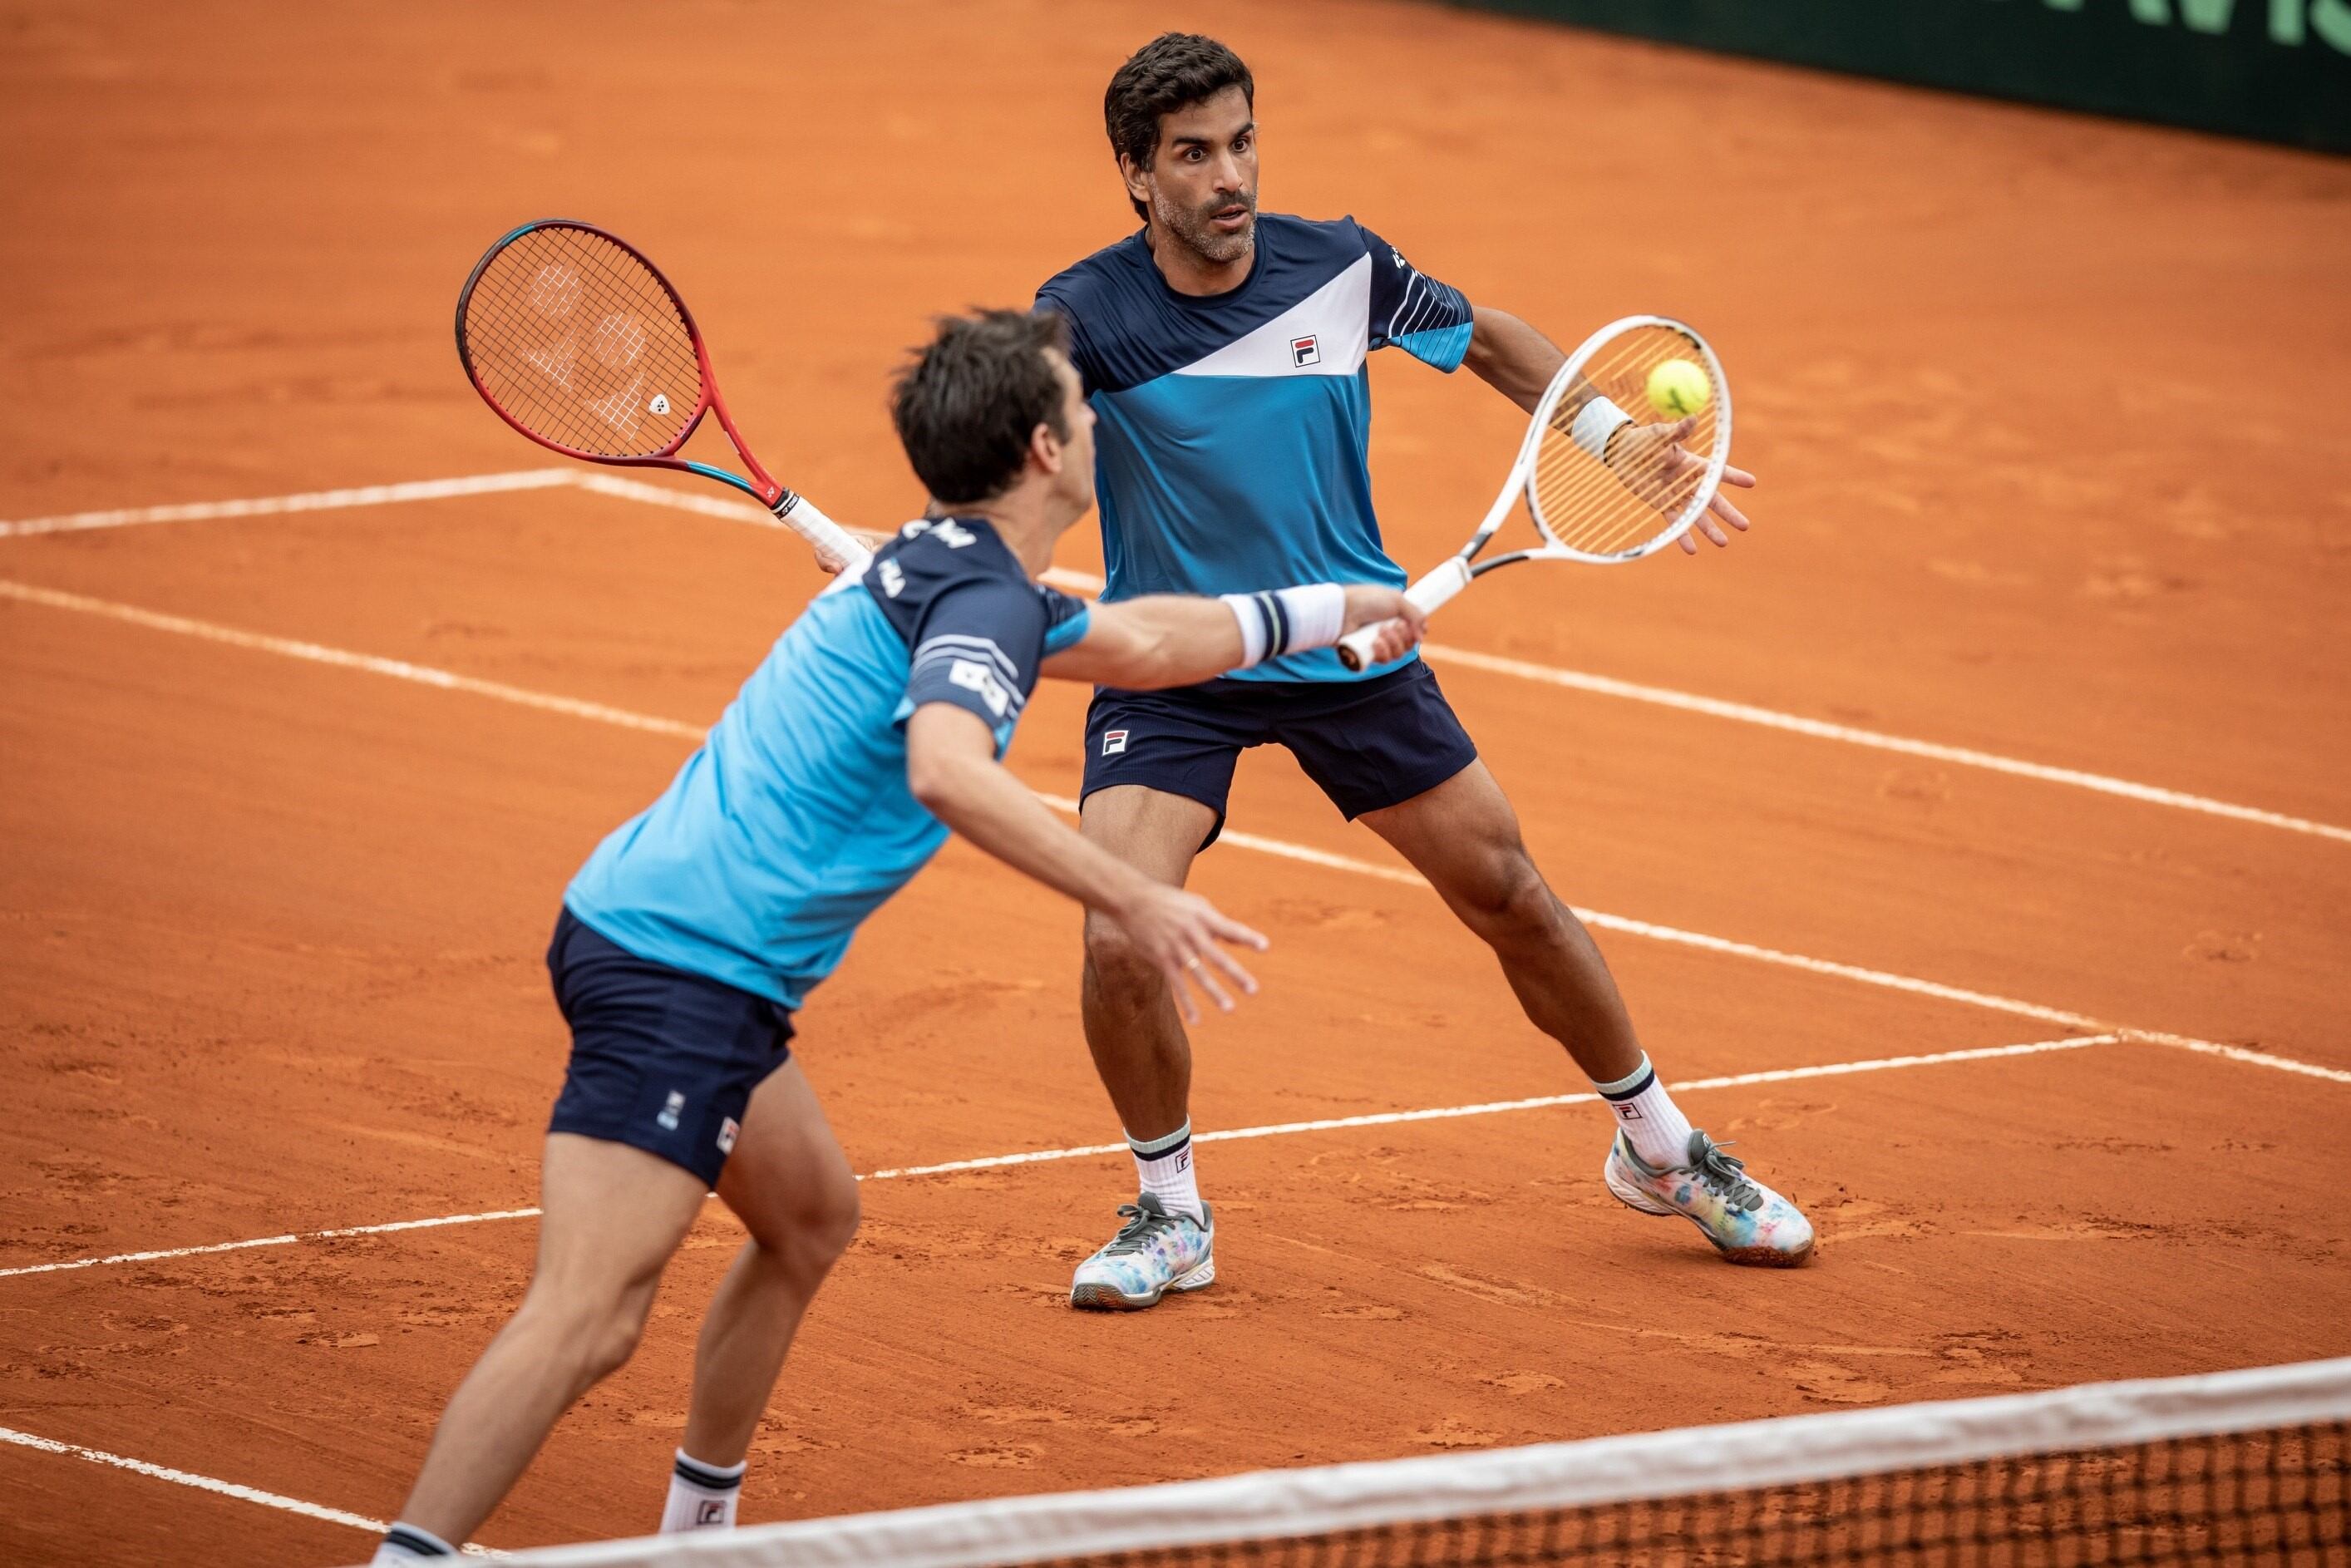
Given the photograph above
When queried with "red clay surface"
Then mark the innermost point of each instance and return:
(2036, 404)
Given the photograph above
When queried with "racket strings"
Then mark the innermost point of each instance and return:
(577, 340)
(1650, 489)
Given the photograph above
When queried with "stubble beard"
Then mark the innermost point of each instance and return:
(1193, 229)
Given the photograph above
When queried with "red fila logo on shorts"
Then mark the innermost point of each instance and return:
(1304, 352)
(1113, 742)
(726, 1131)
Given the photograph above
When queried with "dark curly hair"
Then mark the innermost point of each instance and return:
(969, 401)
(1174, 70)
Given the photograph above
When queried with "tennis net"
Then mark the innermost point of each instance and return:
(2234, 1468)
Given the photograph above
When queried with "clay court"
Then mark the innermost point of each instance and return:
(2007, 760)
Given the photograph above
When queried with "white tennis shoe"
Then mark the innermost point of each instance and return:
(1747, 1221)
(1154, 1252)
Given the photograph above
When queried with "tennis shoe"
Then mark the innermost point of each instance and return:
(1747, 1221)
(1154, 1253)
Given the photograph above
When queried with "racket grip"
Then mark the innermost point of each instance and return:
(799, 514)
(1449, 578)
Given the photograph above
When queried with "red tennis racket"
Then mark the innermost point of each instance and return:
(576, 340)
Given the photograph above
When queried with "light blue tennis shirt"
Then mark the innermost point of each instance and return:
(793, 821)
(1233, 435)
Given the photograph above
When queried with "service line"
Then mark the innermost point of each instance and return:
(616, 486)
(1089, 1151)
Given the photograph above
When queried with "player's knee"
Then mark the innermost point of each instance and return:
(594, 1333)
(825, 1221)
(1116, 969)
(1513, 906)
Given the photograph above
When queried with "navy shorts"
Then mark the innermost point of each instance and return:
(662, 1059)
(1369, 744)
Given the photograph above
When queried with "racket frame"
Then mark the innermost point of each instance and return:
(1462, 568)
(789, 505)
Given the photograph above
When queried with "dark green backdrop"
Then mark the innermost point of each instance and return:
(2278, 69)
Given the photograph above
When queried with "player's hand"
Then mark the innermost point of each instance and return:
(1179, 932)
(1652, 463)
(1401, 622)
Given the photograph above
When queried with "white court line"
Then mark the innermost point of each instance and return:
(611, 484)
(311, 501)
(1086, 1151)
(400, 669)
(201, 1483)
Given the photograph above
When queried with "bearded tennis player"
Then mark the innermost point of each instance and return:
(1223, 351)
(686, 943)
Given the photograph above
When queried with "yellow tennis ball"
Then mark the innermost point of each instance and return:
(1678, 388)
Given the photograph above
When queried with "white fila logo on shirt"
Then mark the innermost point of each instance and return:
(1303, 351)
(1113, 742)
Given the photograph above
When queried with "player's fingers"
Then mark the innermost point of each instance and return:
(1722, 507)
(1712, 529)
(1739, 476)
(1185, 1006)
(1689, 545)
(1232, 968)
(1204, 978)
(1680, 431)
(1224, 928)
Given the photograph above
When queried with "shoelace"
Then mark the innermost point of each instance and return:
(1723, 1175)
(1140, 1223)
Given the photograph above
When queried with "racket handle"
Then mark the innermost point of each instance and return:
(1450, 577)
(798, 513)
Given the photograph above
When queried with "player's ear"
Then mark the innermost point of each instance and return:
(1046, 450)
(1137, 179)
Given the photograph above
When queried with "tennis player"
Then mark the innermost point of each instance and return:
(1223, 351)
(878, 722)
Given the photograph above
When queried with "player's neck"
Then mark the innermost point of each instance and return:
(1188, 272)
(1028, 520)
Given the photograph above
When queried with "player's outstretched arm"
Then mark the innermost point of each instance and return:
(1177, 640)
(952, 768)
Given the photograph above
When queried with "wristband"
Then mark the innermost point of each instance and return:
(1595, 424)
(1287, 620)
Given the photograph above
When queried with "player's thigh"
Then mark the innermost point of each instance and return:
(1157, 832)
(1463, 836)
(787, 1179)
(609, 1217)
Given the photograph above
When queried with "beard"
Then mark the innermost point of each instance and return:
(1192, 225)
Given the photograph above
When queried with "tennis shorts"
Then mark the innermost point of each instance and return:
(1369, 744)
(662, 1059)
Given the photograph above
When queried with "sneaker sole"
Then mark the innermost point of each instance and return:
(1097, 1298)
(1641, 1202)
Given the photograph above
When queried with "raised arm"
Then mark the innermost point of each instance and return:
(1176, 640)
(952, 769)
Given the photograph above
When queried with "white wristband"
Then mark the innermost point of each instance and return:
(1288, 620)
(1595, 424)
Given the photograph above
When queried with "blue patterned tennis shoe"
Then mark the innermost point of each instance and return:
(1747, 1221)
(1154, 1252)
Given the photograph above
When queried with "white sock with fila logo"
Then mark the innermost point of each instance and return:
(701, 1497)
(1165, 1167)
(1653, 1123)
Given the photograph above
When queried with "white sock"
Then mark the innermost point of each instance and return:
(1164, 1166)
(1653, 1123)
(405, 1544)
(701, 1497)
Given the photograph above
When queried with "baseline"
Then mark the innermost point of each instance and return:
(638, 490)
(425, 675)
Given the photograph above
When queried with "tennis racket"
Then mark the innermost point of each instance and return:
(1600, 491)
(576, 340)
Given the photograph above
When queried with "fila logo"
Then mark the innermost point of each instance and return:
(1304, 352)
(709, 1513)
(894, 578)
(670, 1110)
(726, 1131)
(973, 676)
(1113, 742)
(1628, 1112)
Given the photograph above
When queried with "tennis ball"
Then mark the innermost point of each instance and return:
(1678, 388)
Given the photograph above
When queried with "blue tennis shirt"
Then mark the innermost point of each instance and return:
(1232, 447)
(792, 822)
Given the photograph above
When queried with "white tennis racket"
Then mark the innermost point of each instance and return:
(1601, 490)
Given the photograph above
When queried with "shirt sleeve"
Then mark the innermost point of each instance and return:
(978, 645)
(1082, 355)
(1413, 311)
(1067, 619)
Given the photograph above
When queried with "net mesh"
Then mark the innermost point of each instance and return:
(576, 340)
(1641, 486)
(2234, 1468)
